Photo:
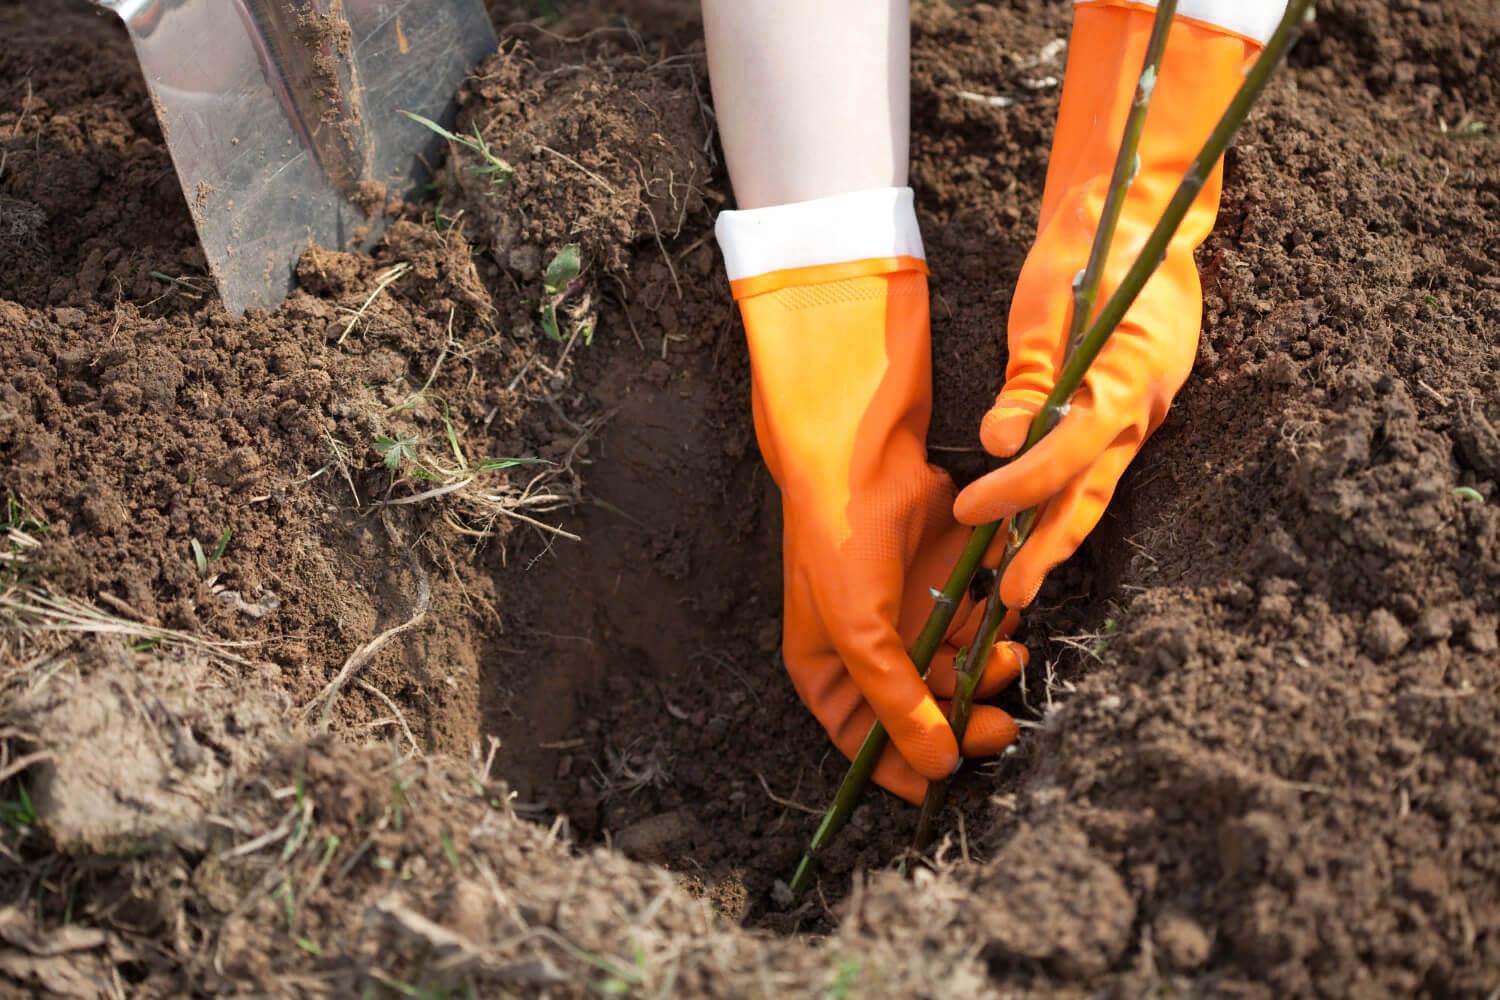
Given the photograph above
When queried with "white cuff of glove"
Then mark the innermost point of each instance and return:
(845, 227)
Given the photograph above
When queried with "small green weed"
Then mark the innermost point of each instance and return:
(396, 451)
(20, 532)
(451, 852)
(203, 561)
(844, 979)
(19, 518)
(1106, 634)
(492, 167)
(623, 981)
(441, 221)
(18, 813)
(558, 282)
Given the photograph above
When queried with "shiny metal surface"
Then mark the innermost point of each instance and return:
(279, 112)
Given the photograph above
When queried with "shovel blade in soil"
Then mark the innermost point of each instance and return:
(283, 118)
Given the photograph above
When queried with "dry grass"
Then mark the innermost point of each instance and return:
(429, 458)
(632, 769)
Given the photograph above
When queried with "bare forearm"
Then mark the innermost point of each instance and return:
(812, 99)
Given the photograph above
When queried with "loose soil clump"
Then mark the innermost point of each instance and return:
(1265, 696)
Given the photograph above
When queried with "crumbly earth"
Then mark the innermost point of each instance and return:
(1265, 696)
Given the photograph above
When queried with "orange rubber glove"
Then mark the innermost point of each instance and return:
(1126, 393)
(841, 381)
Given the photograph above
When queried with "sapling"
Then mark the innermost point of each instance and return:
(969, 667)
(1082, 351)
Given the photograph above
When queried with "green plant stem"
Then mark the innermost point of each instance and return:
(1098, 332)
(1085, 294)
(858, 776)
(1127, 165)
(969, 670)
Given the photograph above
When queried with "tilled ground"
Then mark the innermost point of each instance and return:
(1266, 693)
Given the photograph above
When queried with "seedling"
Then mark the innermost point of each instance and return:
(474, 496)
(396, 451)
(1468, 493)
(1080, 354)
(491, 166)
(203, 561)
(559, 281)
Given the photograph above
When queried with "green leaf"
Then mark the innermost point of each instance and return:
(497, 169)
(549, 322)
(199, 559)
(219, 548)
(563, 269)
(395, 450)
(428, 123)
(1469, 493)
(452, 432)
(496, 464)
(19, 812)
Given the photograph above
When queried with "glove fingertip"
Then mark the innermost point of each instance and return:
(931, 751)
(978, 504)
(1006, 663)
(1003, 430)
(1020, 585)
(990, 731)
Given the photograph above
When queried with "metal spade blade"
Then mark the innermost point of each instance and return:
(283, 118)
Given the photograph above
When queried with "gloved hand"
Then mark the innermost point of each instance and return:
(1126, 393)
(842, 395)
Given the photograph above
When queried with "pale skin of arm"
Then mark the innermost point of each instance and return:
(812, 98)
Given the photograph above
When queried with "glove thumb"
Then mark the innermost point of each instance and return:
(1004, 428)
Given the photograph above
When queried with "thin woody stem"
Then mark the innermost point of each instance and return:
(863, 765)
(1088, 348)
(1077, 365)
(969, 669)
(1085, 293)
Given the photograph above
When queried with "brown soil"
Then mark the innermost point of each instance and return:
(1267, 691)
